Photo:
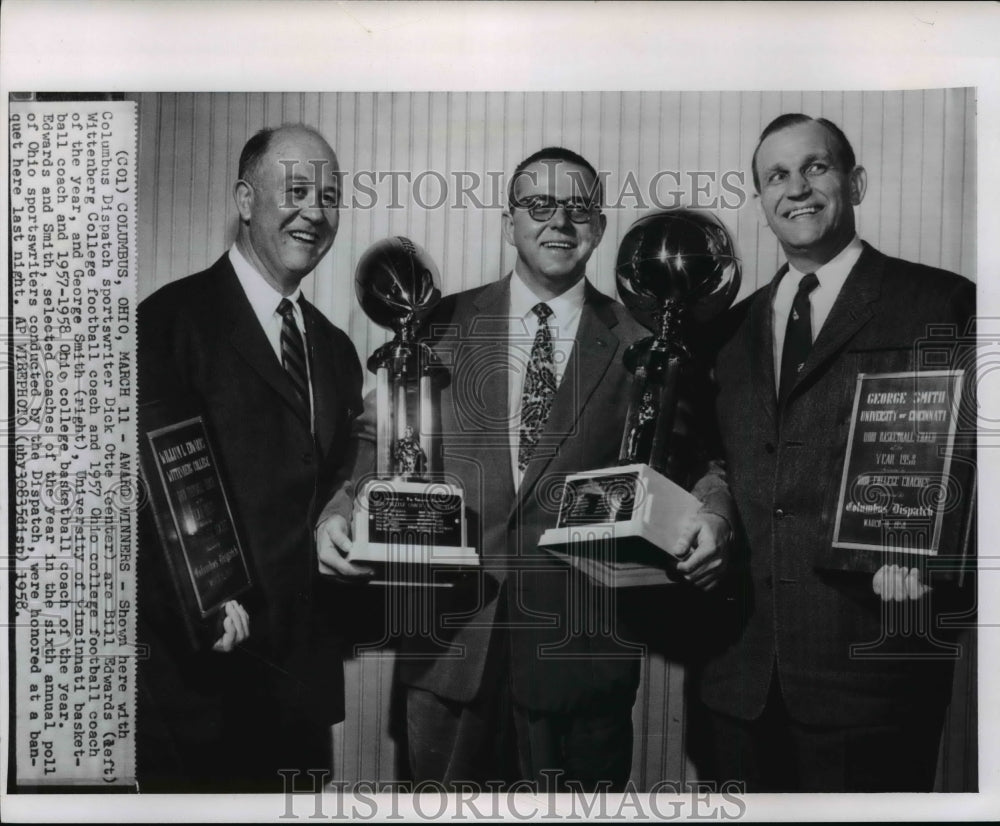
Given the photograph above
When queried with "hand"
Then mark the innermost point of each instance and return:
(333, 544)
(703, 549)
(894, 582)
(235, 627)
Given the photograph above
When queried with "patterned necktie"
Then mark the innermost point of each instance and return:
(293, 352)
(539, 387)
(798, 334)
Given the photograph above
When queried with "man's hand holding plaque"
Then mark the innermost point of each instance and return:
(235, 628)
(636, 524)
(897, 583)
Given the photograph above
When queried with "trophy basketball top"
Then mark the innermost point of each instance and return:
(678, 256)
(395, 283)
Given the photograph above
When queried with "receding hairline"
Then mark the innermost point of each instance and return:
(252, 157)
(840, 144)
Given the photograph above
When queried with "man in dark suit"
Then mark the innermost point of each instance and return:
(795, 704)
(526, 668)
(279, 386)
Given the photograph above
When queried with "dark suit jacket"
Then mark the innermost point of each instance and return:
(785, 466)
(201, 348)
(568, 650)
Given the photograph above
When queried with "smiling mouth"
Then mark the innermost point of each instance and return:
(807, 210)
(304, 237)
(558, 245)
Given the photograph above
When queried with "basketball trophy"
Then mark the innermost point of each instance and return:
(619, 524)
(407, 514)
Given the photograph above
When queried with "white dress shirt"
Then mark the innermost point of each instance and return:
(831, 277)
(523, 325)
(264, 301)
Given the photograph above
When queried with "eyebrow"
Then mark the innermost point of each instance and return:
(303, 179)
(819, 156)
(555, 200)
(306, 179)
(811, 158)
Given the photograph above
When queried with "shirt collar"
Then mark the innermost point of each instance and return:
(564, 306)
(264, 299)
(833, 273)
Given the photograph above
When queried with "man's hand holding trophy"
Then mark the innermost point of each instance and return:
(623, 525)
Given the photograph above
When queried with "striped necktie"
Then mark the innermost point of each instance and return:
(293, 353)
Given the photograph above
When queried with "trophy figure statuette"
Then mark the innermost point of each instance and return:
(408, 513)
(619, 523)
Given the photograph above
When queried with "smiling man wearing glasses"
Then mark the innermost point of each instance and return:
(526, 669)
(555, 223)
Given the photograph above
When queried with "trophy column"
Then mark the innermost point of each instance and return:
(656, 363)
(402, 448)
(407, 515)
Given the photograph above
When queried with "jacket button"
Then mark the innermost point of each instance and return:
(307, 458)
(779, 513)
(768, 447)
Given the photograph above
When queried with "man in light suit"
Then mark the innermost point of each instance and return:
(791, 707)
(278, 386)
(527, 668)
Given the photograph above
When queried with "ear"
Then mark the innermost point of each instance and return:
(243, 195)
(602, 224)
(858, 184)
(507, 223)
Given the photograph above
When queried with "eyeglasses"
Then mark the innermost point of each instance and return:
(542, 208)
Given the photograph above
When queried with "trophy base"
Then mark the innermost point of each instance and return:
(403, 527)
(617, 525)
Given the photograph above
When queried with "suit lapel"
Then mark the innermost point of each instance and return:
(762, 348)
(249, 340)
(850, 312)
(490, 324)
(593, 352)
(321, 361)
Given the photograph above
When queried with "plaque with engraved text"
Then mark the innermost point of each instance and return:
(903, 492)
(194, 521)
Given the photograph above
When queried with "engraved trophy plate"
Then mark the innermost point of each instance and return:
(618, 524)
(409, 514)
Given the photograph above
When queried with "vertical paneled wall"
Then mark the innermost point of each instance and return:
(658, 149)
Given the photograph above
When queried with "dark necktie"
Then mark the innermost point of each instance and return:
(539, 387)
(798, 334)
(293, 353)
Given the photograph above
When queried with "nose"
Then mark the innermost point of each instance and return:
(798, 185)
(324, 221)
(560, 218)
(313, 211)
